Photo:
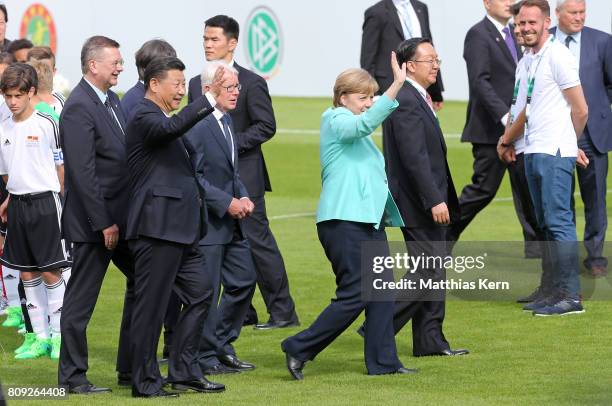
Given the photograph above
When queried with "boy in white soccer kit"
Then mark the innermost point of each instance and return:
(31, 163)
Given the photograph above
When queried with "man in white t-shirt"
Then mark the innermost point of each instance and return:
(555, 113)
(31, 163)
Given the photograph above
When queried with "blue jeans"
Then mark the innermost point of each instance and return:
(550, 185)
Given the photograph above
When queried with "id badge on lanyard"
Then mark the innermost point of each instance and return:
(530, 86)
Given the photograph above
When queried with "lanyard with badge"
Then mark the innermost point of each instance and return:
(531, 84)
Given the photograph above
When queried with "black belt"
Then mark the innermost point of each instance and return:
(31, 196)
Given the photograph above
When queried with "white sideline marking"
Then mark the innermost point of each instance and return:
(316, 132)
(310, 214)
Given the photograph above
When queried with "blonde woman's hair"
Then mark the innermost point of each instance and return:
(353, 80)
(45, 75)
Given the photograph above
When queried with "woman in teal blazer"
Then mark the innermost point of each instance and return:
(354, 207)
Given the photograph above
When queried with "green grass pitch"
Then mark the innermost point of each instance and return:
(515, 359)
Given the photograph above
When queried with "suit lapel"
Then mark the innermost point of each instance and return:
(499, 39)
(425, 107)
(418, 9)
(102, 110)
(213, 125)
(393, 17)
(585, 48)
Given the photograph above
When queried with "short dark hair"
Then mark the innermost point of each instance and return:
(19, 44)
(158, 68)
(406, 50)
(155, 48)
(3, 9)
(516, 8)
(92, 46)
(6, 58)
(19, 75)
(231, 28)
(541, 4)
(40, 53)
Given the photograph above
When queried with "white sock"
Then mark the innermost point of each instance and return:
(11, 281)
(36, 296)
(66, 272)
(55, 300)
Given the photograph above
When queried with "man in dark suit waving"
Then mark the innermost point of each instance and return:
(385, 25)
(92, 131)
(491, 54)
(593, 49)
(214, 152)
(254, 123)
(166, 218)
(421, 184)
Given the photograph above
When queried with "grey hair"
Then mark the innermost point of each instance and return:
(211, 67)
(561, 3)
(92, 48)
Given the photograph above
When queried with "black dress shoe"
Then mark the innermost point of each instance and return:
(159, 394)
(124, 379)
(199, 385)
(448, 352)
(295, 367)
(219, 369)
(88, 389)
(272, 324)
(232, 361)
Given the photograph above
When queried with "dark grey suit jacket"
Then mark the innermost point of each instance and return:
(596, 81)
(382, 33)
(415, 156)
(166, 201)
(491, 70)
(218, 176)
(95, 163)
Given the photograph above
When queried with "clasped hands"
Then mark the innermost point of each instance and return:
(241, 208)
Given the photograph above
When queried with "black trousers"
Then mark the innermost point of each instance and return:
(341, 241)
(427, 316)
(269, 265)
(488, 174)
(231, 266)
(593, 189)
(163, 267)
(90, 262)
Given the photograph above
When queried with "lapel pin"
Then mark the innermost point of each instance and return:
(497, 39)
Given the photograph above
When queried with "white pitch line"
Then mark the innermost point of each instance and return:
(310, 214)
(316, 132)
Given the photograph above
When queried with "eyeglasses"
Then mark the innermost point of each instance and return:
(114, 64)
(437, 61)
(231, 88)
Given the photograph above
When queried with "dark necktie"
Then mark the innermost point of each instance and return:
(225, 121)
(510, 43)
(112, 114)
(568, 40)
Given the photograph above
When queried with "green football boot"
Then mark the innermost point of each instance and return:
(56, 344)
(28, 340)
(40, 348)
(14, 318)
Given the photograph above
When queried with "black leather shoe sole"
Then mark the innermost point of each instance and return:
(88, 389)
(276, 324)
(181, 387)
(159, 394)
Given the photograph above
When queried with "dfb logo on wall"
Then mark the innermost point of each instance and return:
(37, 25)
(264, 42)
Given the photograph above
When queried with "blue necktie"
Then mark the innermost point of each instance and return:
(225, 120)
(510, 43)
